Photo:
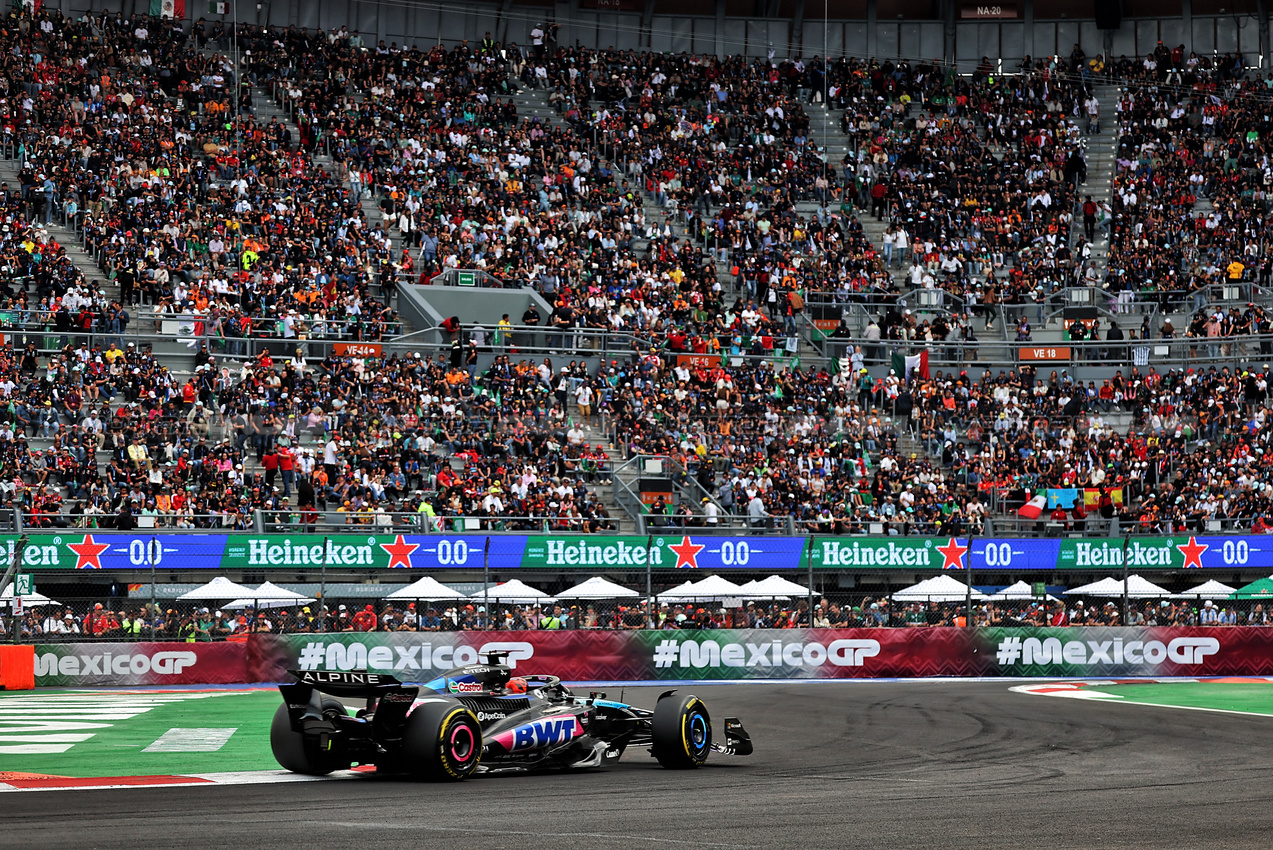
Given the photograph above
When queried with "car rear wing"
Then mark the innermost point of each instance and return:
(388, 700)
(354, 683)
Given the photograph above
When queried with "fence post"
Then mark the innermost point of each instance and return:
(322, 588)
(649, 587)
(9, 575)
(970, 539)
(486, 578)
(151, 557)
(810, 556)
(1127, 539)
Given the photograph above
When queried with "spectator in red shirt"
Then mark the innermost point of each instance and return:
(365, 620)
(286, 468)
(270, 461)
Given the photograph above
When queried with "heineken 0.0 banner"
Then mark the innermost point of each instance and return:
(666, 551)
(102, 550)
(915, 553)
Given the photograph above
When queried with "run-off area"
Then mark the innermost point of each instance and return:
(99, 733)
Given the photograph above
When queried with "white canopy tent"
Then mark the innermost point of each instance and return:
(1207, 590)
(30, 600)
(1020, 591)
(598, 588)
(774, 587)
(219, 588)
(270, 595)
(673, 594)
(1137, 587)
(942, 588)
(712, 587)
(512, 591)
(426, 588)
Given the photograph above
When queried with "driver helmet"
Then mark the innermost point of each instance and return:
(516, 685)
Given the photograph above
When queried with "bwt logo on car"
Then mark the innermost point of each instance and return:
(1033, 651)
(541, 733)
(709, 653)
(106, 663)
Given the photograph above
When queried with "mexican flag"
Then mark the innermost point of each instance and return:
(168, 8)
(1033, 509)
(903, 365)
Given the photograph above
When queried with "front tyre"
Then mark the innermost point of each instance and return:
(442, 741)
(682, 732)
(291, 750)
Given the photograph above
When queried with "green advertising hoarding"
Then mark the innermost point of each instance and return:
(1154, 553)
(592, 550)
(917, 553)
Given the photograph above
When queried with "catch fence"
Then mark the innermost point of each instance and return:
(643, 600)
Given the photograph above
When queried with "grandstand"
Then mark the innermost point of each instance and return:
(624, 270)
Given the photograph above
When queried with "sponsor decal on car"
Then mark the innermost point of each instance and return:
(484, 716)
(541, 733)
(463, 687)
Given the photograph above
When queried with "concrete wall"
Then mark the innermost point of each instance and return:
(426, 24)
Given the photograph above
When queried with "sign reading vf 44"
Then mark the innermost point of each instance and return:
(357, 349)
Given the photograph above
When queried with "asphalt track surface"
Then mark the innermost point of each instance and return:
(908, 764)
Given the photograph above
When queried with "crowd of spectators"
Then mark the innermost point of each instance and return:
(146, 147)
(680, 200)
(132, 619)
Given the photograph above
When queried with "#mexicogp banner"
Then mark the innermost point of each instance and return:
(99, 550)
(636, 656)
(640, 656)
(115, 664)
(784, 653)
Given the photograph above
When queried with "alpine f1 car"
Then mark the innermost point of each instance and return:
(482, 719)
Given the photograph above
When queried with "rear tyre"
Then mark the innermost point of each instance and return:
(289, 745)
(682, 732)
(442, 741)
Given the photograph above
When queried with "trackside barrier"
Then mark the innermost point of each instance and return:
(17, 668)
(723, 655)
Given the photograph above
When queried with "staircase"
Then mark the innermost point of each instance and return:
(67, 238)
(533, 103)
(1102, 155)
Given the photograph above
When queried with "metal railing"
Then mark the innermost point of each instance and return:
(781, 525)
(169, 522)
(387, 522)
(1094, 525)
(1162, 354)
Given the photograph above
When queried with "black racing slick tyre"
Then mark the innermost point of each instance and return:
(682, 732)
(289, 746)
(442, 741)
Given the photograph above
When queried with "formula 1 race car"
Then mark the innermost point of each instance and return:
(482, 719)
